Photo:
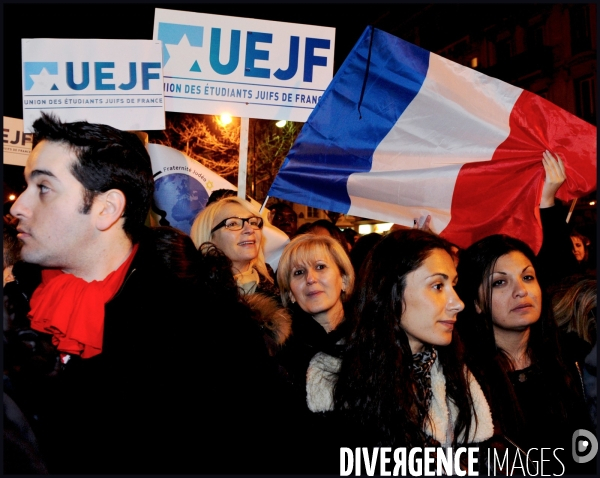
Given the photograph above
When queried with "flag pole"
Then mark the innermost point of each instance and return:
(243, 166)
(263, 206)
(571, 209)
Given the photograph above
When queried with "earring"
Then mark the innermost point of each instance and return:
(343, 291)
(292, 299)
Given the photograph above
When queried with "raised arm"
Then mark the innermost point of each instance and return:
(555, 177)
(555, 259)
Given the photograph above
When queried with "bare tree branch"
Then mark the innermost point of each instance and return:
(203, 139)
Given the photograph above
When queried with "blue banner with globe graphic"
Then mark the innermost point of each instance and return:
(181, 186)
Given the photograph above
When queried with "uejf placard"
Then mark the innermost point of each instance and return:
(115, 82)
(246, 67)
(16, 143)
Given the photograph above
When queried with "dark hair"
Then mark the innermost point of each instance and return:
(207, 268)
(176, 250)
(362, 247)
(218, 194)
(477, 263)
(284, 217)
(281, 206)
(331, 228)
(215, 277)
(376, 386)
(584, 240)
(488, 362)
(107, 158)
(351, 236)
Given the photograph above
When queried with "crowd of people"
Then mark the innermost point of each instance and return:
(138, 349)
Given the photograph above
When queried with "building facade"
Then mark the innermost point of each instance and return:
(547, 49)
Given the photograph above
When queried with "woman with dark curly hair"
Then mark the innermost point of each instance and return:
(401, 381)
(511, 347)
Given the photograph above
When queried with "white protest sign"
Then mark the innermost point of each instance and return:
(17, 143)
(114, 82)
(214, 64)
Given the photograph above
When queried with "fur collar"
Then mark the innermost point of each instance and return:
(273, 319)
(443, 412)
(320, 380)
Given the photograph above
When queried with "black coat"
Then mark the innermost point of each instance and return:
(180, 383)
(320, 435)
(555, 260)
(308, 338)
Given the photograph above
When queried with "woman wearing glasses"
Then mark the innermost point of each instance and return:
(235, 228)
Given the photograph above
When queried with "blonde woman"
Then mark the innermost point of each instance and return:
(315, 278)
(235, 227)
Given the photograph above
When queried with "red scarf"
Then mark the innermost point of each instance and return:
(72, 310)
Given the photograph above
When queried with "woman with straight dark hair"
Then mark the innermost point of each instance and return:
(401, 381)
(512, 348)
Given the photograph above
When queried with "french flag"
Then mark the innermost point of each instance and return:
(402, 132)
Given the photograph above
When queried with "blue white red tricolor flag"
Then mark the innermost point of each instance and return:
(402, 132)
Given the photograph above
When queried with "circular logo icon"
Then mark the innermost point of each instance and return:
(585, 446)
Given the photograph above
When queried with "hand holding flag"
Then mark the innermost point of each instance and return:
(402, 132)
(555, 177)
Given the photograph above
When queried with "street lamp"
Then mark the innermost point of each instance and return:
(225, 119)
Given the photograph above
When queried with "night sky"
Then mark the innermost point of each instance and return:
(135, 21)
(448, 23)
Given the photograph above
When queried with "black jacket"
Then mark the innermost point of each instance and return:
(555, 260)
(308, 338)
(181, 381)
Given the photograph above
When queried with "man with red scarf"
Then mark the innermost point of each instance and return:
(134, 383)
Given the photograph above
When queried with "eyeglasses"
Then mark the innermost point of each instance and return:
(237, 223)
